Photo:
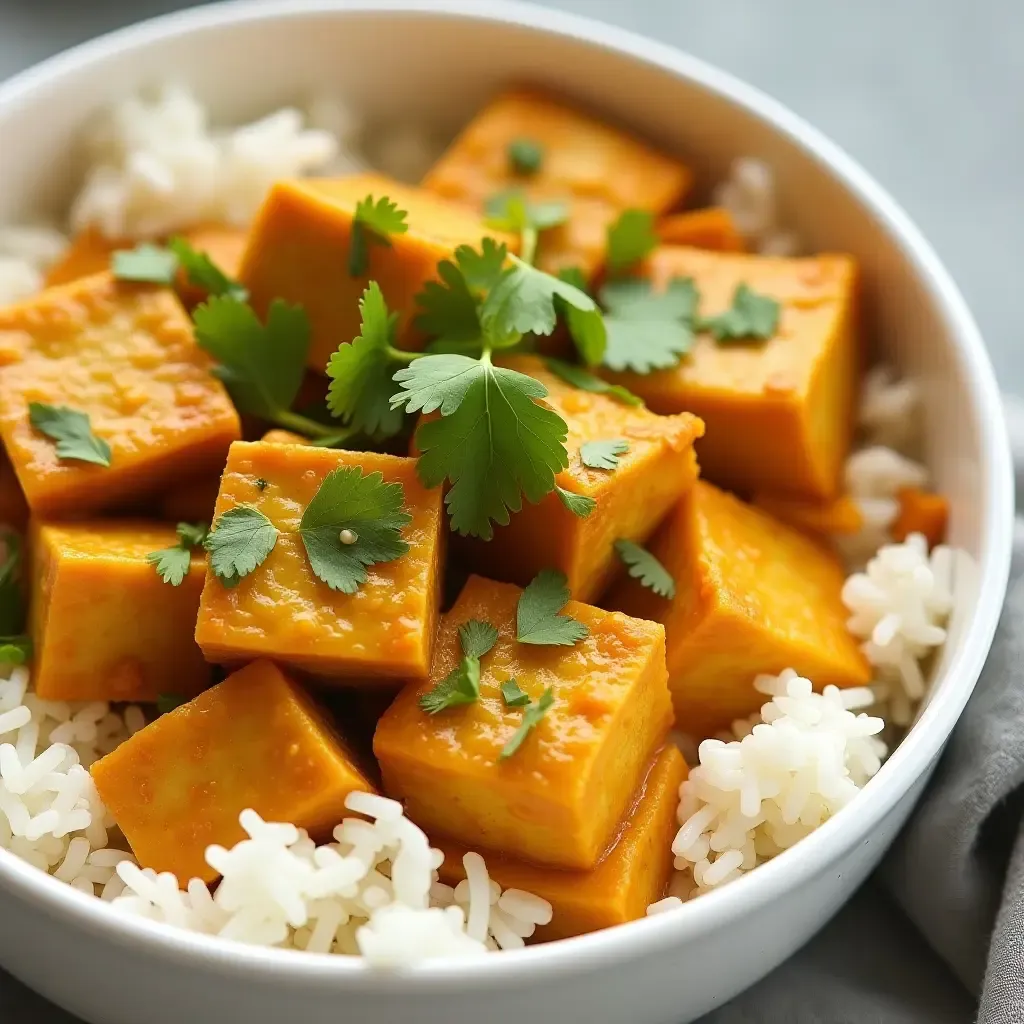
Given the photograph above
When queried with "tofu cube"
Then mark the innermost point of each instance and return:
(255, 740)
(299, 250)
(281, 610)
(104, 625)
(125, 356)
(560, 798)
(752, 595)
(659, 468)
(712, 227)
(778, 413)
(599, 169)
(89, 253)
(634, 873)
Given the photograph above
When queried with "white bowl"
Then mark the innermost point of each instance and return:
(439, 60)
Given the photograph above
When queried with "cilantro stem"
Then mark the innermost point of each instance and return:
(304, 425)
(528, 244)
(401, 356)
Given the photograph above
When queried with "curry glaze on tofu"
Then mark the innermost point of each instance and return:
(600, 170)
(384, 631)
(633, 874)
(300, 244)
(779, 414)
(752, 596)
(658, 468)
(559, 800)
(180, 783)
(104, 626)
(125, 356)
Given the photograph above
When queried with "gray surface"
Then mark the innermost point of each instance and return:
(927, 94)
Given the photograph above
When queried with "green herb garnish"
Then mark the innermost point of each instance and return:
(579, 505)
(374, 222)
(646, 330)
(585, 381)
(603, 454)
(173, 564)
(354, 521)
(462, 684)
(512, 695)
(147, 263)
(15, 650)
(643, 566)
(631, 239)
(202, 272)
(525, 156)
(537, 614)
(166, 702)
(239, 542)
(751, 315)
(531, 718)
(72, 432)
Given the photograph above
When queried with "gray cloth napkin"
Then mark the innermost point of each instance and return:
(937, 936)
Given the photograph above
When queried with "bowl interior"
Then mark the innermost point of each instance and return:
(397, 61)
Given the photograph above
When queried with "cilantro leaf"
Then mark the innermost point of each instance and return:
(72, 432)
(166, 702)
(262, 365)
(477, 638)
(646, 330)
(751, 316)
(644, 567)
(12, 607)
(537, 618)
(630, 239)
(361, 370)
(172, 564)
(239, 542)
(512, 211)
(525, 156)
(580, 378)
(603, 454)
(364, 508)
(512, 695)
(202, 272)
(494, 441)
(531, 719)
(578, 504)
(450, 307)
(460, 686)
(15, 650)
(523, 301)
(374, 222)
(192, 535)
(152, 264)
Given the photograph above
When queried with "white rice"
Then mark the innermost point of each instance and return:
(25, 254)
(373, 891)
(749, 196)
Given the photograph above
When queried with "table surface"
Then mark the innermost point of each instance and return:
(926, 94)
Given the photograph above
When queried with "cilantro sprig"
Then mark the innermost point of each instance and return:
(374, 222)
(643, 566)
(462, 685)
(751, 315)
(631, 238)
(603, 454)
(525, 156)
(586, 381)
(648, 331)
(172, 564)
(354, 521)
(72, 431)
(158, 264)
(531, 719)
(513, 695)
(15, 646)
(537, 614)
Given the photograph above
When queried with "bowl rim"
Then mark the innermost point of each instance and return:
(908, 762)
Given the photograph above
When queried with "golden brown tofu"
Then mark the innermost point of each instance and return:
(658, 469)
(559, 798)
(752, 596)
(90, 253)
(299, 248)
(601, 170)
(829, 518)
(633, 875)
(281, 610)
(13, 507)
(125, 356)
(709, 228)
(223, 244)
(256, 740)
(779, 413)
(104, 625)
